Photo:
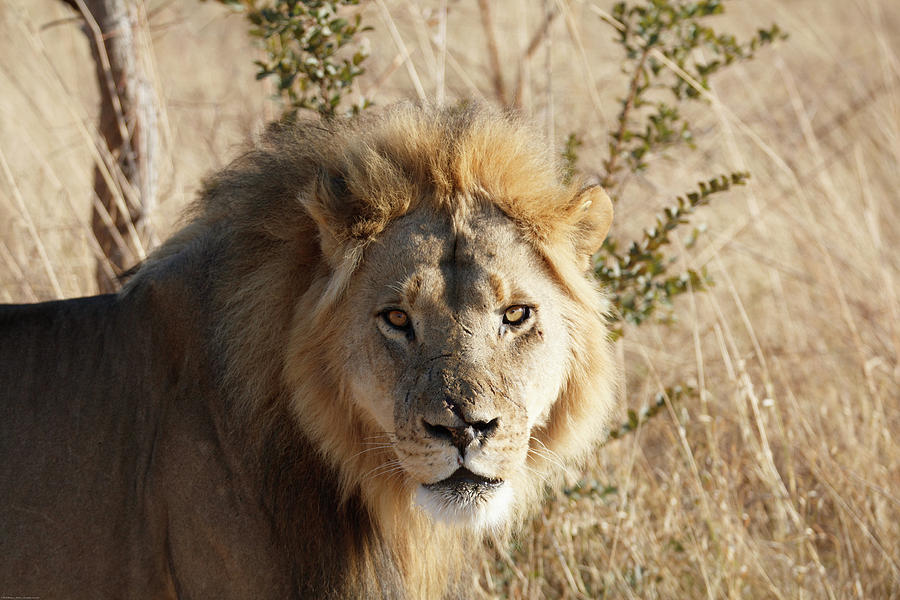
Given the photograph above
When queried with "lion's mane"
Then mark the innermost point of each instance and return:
(279, 255)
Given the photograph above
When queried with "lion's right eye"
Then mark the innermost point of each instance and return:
(396, 319)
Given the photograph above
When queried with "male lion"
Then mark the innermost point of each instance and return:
(374, 342)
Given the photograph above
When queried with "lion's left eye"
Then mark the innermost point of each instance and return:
(516, 315)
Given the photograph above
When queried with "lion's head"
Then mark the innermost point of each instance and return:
(450, 352)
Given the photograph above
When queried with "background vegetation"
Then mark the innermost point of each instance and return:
(773, 466)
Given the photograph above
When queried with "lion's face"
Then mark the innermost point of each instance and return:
(457, 350)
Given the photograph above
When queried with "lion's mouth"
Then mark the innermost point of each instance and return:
(464, 482)
(468, 499)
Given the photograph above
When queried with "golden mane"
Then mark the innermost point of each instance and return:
(282, 230)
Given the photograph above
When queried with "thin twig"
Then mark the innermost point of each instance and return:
(401, 46)
(111, 88)
(536, 40)
(441, 75)
(94, 141)
(13, 266)
(29, 224)
(487, 23)
(385, 74)
(578, 42)
(615, 149)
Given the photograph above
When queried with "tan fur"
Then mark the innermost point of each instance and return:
(282, 246)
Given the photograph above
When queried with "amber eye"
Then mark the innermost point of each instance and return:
(516, 315)
(396, 318)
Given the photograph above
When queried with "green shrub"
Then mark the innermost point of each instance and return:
(312, 51)
(654, 37)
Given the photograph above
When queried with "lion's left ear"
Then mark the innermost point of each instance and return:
(592, 214)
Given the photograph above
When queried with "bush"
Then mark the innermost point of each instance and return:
(312, 51)
(662, 73)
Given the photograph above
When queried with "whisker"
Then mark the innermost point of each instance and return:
(544, 446)
(548, 455)
(389, 474)
(543, 477)
(382, 468)
(551, 459)
(389, 436)
(392, 473)
(372, 449)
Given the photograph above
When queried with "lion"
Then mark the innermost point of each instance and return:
(371, 346)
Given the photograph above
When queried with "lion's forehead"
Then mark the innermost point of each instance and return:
(459, 264)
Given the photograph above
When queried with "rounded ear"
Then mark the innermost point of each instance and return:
(331, 204)
(333, 208)
(592, 216)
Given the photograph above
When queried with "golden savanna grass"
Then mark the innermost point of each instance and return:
(782, 478)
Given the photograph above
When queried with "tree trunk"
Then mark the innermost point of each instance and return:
(125, 180)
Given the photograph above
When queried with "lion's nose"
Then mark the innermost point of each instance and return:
(463, 435)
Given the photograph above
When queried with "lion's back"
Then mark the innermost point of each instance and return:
(69, 453)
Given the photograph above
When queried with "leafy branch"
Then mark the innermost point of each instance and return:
(636, 419)
(652, 33)
(638, 277)
(650, 118)
(312, 51)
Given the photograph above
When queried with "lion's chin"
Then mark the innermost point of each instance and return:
(467, 500)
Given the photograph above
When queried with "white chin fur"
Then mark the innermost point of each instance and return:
(489, 511)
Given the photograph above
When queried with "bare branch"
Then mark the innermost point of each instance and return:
(128, 126)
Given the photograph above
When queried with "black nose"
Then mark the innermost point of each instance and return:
(462, 436)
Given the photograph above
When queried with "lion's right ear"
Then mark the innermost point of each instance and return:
(334, 209)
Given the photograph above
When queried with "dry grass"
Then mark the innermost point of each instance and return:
(782, 479)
